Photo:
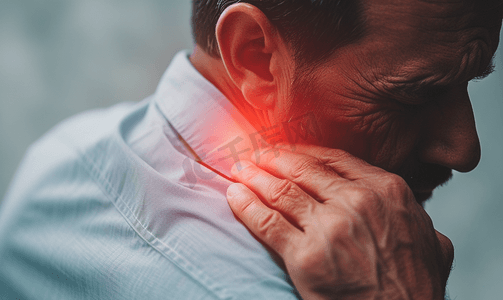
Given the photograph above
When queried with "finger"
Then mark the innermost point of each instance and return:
(307, 171)
(267, 224)
(344, 163)
(280, 194)
(447, 253)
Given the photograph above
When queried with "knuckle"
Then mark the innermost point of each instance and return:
(427, 221)
(265, 224)
(447, 254)
(447, 247)
(335, 154)
(282, 189)
(449, 250)
(303, 167)
(394, 181)
(246, 205)
(362, 199)
(395, 184)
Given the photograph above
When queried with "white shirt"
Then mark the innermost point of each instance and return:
(111, 204)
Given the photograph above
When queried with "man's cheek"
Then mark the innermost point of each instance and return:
(381, 137)
(393, 142)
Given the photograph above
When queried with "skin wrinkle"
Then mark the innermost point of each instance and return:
(301, 105)
(361, 104)
(382, 152)
(362, 88)
(481, 32)
(419, 133)
(474, 63)
(468, 50)
(372, 116)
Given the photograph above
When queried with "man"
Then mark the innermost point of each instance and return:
(313, 106)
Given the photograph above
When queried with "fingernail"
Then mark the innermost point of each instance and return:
(239, 166)
(233, 190)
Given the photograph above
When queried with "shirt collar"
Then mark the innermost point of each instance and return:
(206, 120)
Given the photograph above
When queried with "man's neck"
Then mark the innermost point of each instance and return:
(214, 71)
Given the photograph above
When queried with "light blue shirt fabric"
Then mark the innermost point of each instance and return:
(110, 204)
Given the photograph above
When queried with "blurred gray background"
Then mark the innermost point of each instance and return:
(58, 58)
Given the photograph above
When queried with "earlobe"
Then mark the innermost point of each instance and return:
(247, 43)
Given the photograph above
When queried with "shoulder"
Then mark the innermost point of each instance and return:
(62, 154)
(100, 200)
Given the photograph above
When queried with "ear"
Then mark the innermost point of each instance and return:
(254, 54)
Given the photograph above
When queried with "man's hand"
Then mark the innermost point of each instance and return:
(345, 229)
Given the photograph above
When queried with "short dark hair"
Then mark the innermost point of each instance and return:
(313, 28)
